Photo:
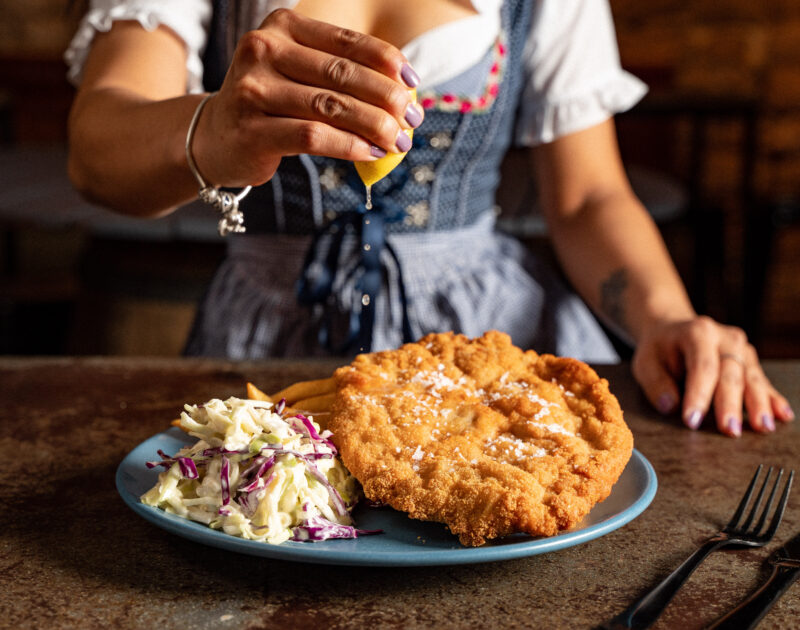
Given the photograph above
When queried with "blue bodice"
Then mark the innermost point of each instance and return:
(316, 274)
(447, 180)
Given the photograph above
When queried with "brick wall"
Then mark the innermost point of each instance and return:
(35, 28)
(735, 48)
(34, 94)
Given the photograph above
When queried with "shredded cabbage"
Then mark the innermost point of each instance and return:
(255, 474)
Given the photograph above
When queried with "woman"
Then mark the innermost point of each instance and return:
(299, 93)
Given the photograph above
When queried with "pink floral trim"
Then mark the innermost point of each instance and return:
(450, 102)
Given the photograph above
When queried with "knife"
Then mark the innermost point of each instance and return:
(786, 569)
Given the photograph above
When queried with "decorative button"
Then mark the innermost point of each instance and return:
(423, 174)
(331, 177)
(417, 214)
(442, 140)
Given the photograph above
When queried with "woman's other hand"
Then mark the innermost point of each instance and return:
(297, 85)
(614, 255)
(717, 366)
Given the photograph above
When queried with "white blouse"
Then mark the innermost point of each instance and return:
(574, 81)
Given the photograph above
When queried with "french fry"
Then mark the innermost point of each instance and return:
(253, 393)
(305, 390)
(315, 403)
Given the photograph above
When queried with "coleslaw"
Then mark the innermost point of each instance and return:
(255, 474)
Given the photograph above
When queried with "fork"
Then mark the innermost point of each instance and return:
(645, 611)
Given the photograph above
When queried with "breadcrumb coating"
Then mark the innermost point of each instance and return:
(479, 435)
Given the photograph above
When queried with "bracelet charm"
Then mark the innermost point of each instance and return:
(225, 202)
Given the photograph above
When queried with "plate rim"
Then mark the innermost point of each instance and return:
(326, 553)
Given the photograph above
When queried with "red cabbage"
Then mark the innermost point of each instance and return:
(188, 468)
(246, 498)
(312, 432)
(186, 464)
(338, 502)
(225, 481)
(263, 464)
(279, 450)
(317, 528)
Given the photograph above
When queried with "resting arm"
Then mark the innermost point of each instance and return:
(614, 255)
(609, 246)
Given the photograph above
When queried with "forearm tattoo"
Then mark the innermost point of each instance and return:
(612, 298)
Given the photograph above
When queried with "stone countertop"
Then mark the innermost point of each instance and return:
(73, 555)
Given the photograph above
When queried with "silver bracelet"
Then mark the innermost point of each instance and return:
(227, 203)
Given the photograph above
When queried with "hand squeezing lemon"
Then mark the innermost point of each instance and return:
(375, 170)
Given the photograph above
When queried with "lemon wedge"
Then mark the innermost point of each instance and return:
(375, 170)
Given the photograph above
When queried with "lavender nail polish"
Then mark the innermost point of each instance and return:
(408, 75)
(665, 403)
(734, 426)
(376, 151)
(768, 422)
(788, 413)
(693, 418)
(403, 142)
(413, 116)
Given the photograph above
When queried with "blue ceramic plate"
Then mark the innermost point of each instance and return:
(405, 542)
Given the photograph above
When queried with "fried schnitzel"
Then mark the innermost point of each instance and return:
(479, 435)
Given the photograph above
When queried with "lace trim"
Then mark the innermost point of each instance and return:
(101, 21)
(450, 102)
(545, 122)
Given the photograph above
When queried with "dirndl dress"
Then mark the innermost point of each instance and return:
(316, 274)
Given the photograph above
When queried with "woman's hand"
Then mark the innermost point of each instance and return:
(297, 85)
(717, 365)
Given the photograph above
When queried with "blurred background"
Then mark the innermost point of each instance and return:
(713, 151)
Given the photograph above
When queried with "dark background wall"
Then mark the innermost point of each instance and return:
(722, 121)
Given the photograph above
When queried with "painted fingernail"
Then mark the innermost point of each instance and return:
(768, 422)
(788, 413)
(665, 403)
(410, 78)
(734, 426)
(693, 418)
(413, 115)
(376, 151)
(403, 142)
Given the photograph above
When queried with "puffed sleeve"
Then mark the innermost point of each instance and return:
(573, 71)
(188, 19)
